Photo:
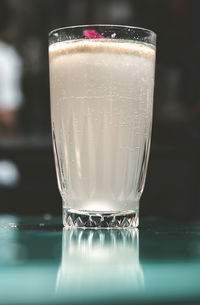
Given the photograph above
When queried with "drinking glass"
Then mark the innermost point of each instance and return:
(101, 87)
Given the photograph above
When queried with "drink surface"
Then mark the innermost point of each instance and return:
(101, 107)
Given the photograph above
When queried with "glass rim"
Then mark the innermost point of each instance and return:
(104, 25)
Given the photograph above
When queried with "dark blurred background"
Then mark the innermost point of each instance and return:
(27, 174)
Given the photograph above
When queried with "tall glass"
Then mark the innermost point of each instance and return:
(101, 85)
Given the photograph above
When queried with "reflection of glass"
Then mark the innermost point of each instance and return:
(99, 264)
(101, 80)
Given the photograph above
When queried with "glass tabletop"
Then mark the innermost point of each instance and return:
(43, 263)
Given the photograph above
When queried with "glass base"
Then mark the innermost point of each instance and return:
(73, 218)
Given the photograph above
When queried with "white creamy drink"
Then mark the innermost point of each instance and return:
(101, 107)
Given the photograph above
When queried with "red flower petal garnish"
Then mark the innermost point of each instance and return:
(91, 34)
